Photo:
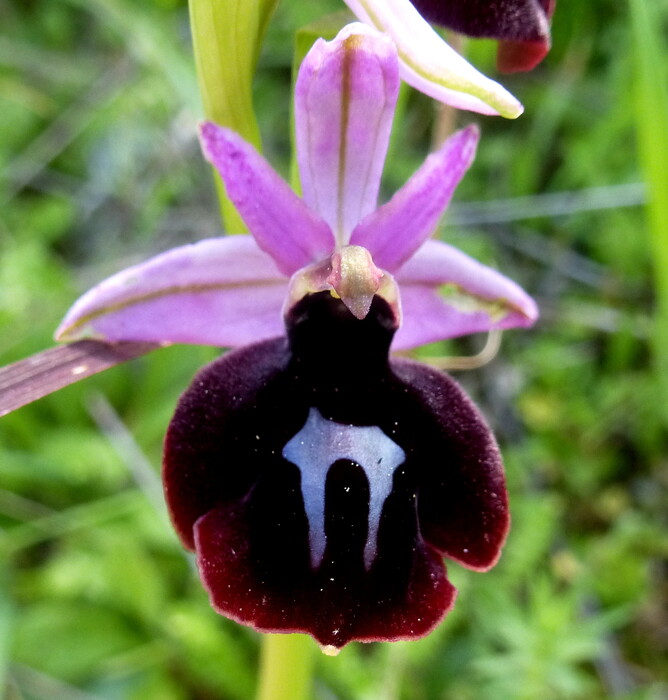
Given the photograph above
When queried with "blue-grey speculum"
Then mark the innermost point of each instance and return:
(316, 447)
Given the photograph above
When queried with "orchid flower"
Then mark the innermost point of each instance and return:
(522, 26)
(230, 291)
(430, 65)
(320, 482)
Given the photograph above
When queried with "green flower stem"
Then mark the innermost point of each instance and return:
(286, 667)
(227, 36)
(651, 102)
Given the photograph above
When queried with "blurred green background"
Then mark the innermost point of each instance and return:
(100, 168)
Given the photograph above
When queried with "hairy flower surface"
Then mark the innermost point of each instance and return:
(320, 482)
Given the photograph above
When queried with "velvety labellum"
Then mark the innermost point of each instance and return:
(321, 483)
(525, 20)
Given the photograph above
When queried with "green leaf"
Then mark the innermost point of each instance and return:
(651, 104)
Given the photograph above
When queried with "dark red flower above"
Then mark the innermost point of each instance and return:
(321, 483)
(522, 26)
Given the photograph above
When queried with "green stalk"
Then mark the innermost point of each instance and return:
(227, 36)
(651, 102)
(286, 667)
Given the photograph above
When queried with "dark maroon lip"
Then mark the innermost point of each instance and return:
(251, 515)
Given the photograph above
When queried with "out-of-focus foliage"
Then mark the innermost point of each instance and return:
(100, 167)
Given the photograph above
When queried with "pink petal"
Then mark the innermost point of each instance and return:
(283, 226)
(222, 292)
(344, 103)
(397, 229)
(476, 298)
(429, 64)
